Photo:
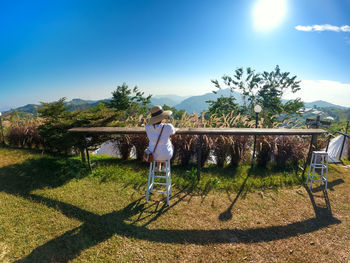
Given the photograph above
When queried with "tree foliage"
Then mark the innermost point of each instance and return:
(177, 114)
(223, 105)
(57, 122)
(265, 88)
(131, 101)
(55, 126)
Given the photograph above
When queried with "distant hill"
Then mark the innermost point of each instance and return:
(170, 99)
(197, 104)
(323, 104)
(79, 104)
(5, 108)
(29, 108)
(191, 104)
(74, 104)
(162, 101)
(173, 97)
(339, 114)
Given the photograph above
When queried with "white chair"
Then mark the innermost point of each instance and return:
(319, 160)
(151, 180)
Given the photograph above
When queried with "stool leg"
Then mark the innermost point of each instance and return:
(326, 172)
(167, 181)
(308, 175)
(169, 178)
(151, 168)
(153, 174)
(322, 168)
(313, 170)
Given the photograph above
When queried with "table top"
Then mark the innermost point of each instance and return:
(199, 131)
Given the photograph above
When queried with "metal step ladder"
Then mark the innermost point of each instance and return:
(152, 182)
(319, 160)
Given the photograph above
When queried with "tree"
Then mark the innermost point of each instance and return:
(177, 114)
(55, 126)
(271, 90)
(223, 105)
(52, 111)
(266, 89)
(131, 101)
(247, 82)
(58, 120)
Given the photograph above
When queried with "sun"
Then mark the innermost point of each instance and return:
(268, 14)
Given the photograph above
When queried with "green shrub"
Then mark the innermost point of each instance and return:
(210, 184)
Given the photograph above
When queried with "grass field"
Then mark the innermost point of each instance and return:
(53, 210)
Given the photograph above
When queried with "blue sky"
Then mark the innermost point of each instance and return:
(84, 49)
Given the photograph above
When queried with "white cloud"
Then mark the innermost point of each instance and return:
(327, 90)
(325, 27)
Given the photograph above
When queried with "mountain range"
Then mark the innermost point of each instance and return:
(190, 104)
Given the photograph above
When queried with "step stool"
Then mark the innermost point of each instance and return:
(152, 182)
(322, 157)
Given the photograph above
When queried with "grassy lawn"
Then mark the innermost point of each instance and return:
(53, 210)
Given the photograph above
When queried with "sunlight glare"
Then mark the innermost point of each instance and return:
(269, 13)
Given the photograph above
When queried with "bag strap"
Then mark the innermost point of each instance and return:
(155, 147)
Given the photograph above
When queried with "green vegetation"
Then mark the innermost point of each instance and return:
(177, 114)
(338, 126)
(341, 115)
(51, 170)
(50, 134)
(129, 107)
(136, 174)
(223, 106)
(130, 101)
(265, 89)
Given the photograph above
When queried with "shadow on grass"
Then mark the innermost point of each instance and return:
(98, 228)
(133, 219)
(227, 214)
(39, 173)
(330, 185)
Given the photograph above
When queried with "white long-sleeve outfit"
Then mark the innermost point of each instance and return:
(165, 149)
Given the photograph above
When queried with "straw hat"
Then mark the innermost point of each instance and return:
(158, 114)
